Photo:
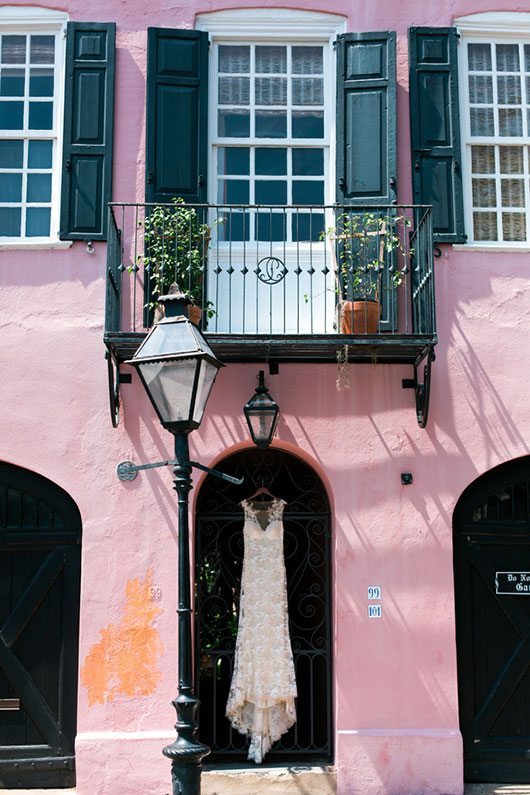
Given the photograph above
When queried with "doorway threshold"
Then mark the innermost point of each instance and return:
(268, 779)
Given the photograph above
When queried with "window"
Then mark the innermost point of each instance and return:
(495, 87)
(31, 90)
(270, 145)
(272, 121)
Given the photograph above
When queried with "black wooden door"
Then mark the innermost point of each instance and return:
(492, 535)
(219, 556)
(40, 534)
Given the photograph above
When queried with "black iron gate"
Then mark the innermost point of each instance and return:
(219, 555)
(40, 564)
(492, 566)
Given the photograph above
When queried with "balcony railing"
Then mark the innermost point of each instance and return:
(275, 283)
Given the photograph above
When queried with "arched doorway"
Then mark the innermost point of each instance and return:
(219, 554)
(40, 564)
(491, 565)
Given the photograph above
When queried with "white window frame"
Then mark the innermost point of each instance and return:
(281, 26)
(493, 28)
(26, 20)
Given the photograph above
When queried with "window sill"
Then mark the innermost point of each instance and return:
(495, 249)
(35, 245)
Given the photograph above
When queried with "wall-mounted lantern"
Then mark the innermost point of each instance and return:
(262, 414)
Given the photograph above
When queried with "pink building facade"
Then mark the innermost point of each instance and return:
(430, 686)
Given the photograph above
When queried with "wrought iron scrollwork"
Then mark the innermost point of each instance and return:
(113, 372)
(422, 391)
(219, 550)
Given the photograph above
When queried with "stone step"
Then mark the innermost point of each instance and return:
(265, 780)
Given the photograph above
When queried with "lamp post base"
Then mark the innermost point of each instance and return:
(186, 761)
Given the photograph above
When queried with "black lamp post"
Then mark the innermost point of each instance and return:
(262, 414)
(178, 369)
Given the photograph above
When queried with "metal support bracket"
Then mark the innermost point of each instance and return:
(422, 391)
(126, 470)
(115, 378)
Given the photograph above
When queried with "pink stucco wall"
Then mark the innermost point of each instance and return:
(396, 699)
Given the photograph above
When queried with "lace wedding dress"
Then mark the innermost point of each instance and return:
(261, 703)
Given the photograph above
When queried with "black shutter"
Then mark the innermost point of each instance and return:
(366, 118)
(88, 130)
(435, 129)
(177, 115)
(367, 139)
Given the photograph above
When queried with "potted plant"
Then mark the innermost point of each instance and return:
(363, 240)
(176, 240)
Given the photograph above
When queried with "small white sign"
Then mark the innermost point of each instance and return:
(374, 592)
(375, 611)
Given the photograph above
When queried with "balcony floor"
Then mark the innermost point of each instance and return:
(308, 348)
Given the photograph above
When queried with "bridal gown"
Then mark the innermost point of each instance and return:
(261, 703)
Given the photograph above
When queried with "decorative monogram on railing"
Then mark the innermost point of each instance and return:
(271, 270)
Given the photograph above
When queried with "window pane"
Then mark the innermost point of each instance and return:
(307, 61)
(41, 83)
(507, 57)
(9, 221)
(234, 90)
(511, 159)
(483, 159)
(308, 192)
(11, 154)
(513, 226)
(271, 226)
(10, 187)
(308, 124)
(271, 191)
(481, 121)
(479, 56)
(38, 222)
(485, 226)
(233, 191)
(308, 162)
(271, 59)
(234, 124)
(234, 59)
(484, 193)
(271, 90)
(11, 115)
(271, 161)
(42, 49)
(12, 83)
(510, 121)
(40, 154)
(13, 49)
(271, 124)
(512, 193)
(307, 226)
(509, 90)
(235, 226)
(481, 89)
(308, 90)
(233, 160)
(40, 115)
(39, 188)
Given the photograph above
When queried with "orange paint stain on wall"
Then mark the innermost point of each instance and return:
(124, 661)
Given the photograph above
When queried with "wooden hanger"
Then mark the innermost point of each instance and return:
(261, 490)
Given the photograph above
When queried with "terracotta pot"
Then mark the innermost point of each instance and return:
(195, 314)
(360, 317)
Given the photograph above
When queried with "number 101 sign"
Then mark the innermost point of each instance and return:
(374, 594)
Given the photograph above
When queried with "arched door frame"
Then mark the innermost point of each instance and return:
(491, 533)
(219, 519)
(40, 543)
